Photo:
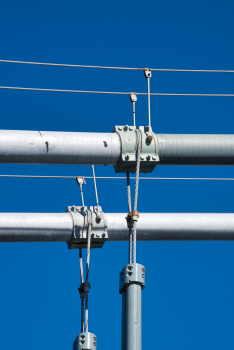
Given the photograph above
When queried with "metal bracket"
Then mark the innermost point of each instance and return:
(133, 97)
(131, 273)
(87, 219)
(85, 341)
(149, 151)
(148, 73)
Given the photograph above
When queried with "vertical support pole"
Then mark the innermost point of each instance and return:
(133, 98)
(131, 284)
(148, 75)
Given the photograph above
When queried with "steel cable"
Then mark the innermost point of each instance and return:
(136, 191)
(120, 68)
(115, 92)
(119, 177)
(129, 223)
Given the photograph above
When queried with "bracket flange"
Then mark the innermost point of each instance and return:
(87, 219)
(149, 150)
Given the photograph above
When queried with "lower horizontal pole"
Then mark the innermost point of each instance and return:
(45, 227)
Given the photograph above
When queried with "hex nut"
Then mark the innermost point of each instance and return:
(149, 138)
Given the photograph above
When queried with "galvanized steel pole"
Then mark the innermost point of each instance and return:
(44, 147)
(44, 227)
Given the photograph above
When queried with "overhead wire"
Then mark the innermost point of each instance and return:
(119, 177)
(120, 68)
(115, 92)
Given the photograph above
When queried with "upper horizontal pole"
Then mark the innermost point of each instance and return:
(46, 147)
(58, 227)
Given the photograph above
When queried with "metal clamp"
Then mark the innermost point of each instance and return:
(131, 274)
(83, 220)
(148, 73)
(149, 151)
(131, 217)
(85, 341)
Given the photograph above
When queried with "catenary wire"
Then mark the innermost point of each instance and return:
(115, 92)
(120, 177)
(120, 68)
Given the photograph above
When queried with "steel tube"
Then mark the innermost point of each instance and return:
(173, 227)
(47, 147)
(44, 227)
(44, 147)
(195, 149)
(35, 227)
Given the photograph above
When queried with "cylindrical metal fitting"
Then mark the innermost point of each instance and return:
(47, 147)
(131, 283)
(194, 149)
(85, 341)
(59, 227)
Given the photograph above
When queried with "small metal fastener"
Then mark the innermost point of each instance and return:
(119, 128)
(133, 96)
(149, 138)
(127, 157)
(147, 72)
(142, 157)
(80, 180)
(130, 128)
(135, 213)
(98, 217)
(154, 158)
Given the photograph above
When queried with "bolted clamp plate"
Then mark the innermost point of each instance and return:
(131, 274)
(87, 219)
(85, 341)
(149, 149)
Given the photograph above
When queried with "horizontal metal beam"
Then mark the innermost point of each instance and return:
(44, 227)
(45, 147)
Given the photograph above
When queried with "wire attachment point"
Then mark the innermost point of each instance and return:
(133, 98)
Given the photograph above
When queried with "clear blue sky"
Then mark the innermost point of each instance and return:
(188, 299)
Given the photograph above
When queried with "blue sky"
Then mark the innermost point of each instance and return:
(188, 298)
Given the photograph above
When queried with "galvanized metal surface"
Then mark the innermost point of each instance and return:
(44, 227)
(36, 227)
(195, 149)
(47, 147)
(85, 341)
(131, 283)
(44, 147)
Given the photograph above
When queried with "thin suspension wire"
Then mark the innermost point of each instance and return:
(120, 68)
(120, 177)
(115, 92)
(149, 116)
(129, 223)
(95, 187)
(82, 281)
(87, 274)
(136, 191)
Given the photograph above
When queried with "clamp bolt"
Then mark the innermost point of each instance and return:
(149, 138)
(98, 218)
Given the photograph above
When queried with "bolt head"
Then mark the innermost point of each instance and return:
(149, 138)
